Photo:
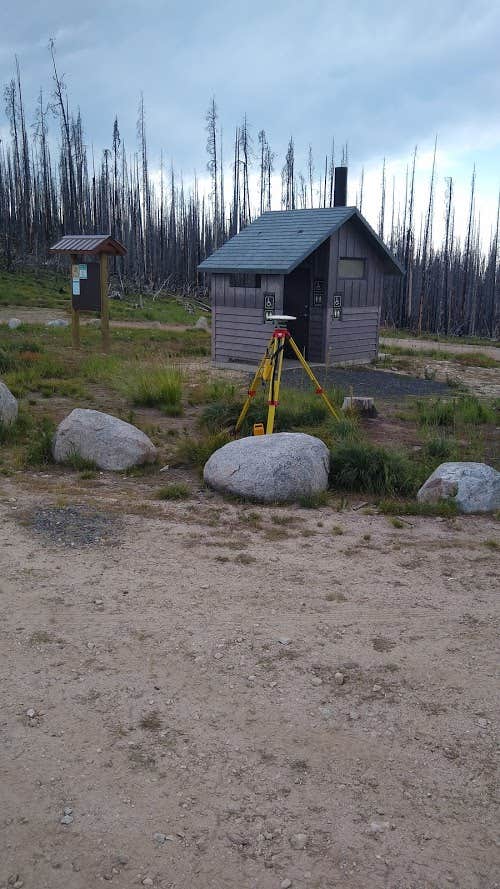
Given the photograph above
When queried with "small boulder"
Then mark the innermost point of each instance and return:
(360, 404)
(58, 322)
(8, 406)
(475, 487)
(107, 441)
(14, 323)
(270, 468)
(202, 324)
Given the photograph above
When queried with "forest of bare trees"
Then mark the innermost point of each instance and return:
(50, 184)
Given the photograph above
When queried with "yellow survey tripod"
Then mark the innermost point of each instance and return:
(269, 371)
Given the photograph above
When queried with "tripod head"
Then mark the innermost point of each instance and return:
(281, 320)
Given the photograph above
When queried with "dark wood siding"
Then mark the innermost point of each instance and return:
(355, 338)
(239, 333)
(350, 242)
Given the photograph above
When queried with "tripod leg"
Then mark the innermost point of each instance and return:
(319, 388)
(253, 387)
(274, 383)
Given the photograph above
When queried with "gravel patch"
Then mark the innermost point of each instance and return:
(367, 382)
(75, 526)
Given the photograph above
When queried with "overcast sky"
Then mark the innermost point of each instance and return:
(381, 76)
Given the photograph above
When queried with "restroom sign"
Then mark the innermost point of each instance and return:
(318, 292)
(269, 305)
(337, 307)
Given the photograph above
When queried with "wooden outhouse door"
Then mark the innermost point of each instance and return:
(296, 302)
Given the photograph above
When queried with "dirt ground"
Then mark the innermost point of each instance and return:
(175, 688)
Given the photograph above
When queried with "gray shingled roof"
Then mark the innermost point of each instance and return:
(278, 241)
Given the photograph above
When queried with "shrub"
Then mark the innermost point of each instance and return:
(174, 491)
(359, 466)
(158, 387)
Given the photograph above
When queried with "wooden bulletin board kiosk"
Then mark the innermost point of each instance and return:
(89, 278)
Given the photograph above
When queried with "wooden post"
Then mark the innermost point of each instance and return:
(75, 314)
(104, 301)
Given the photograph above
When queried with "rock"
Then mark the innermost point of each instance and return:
(475, 487)
(285, 884)
(14, 323)
(94, 322)
(68, 810)
(147, 881)
(57, 322)
(105, 440)
(326, 712)
(339, 678)
(270, 468)
(31, 713)
(298, 841)
(360, 404)
(284, 641)
(238, 839)
(8, 406)
(160, 838)
(378, 826)
(202, 324)
(67, 819)
(316, 681)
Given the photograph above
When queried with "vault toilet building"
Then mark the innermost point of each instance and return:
(324, 266)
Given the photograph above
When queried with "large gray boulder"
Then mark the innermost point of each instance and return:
(270, 468)
(14, 323)
(107, 441)
(8, 406)
(475, 487)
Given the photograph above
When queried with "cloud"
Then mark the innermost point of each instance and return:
(378, 76)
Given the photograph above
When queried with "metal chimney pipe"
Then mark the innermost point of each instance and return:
(340, 189)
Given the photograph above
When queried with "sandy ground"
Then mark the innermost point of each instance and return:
(183, 684)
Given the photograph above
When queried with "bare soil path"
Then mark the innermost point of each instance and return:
(175, 690)
(427, 345)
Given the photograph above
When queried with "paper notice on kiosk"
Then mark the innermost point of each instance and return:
(76, 287)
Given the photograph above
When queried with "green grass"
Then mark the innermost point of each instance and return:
(195, 451)
(174, 491)
(81, 464)
(34, 289)
(314, 501)
(50, 289)
(466, 410)
(467, 359)
(443, 509)
(297, 411)
(39, 445)
(215, 391)
(365, 468)
(157, 387)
